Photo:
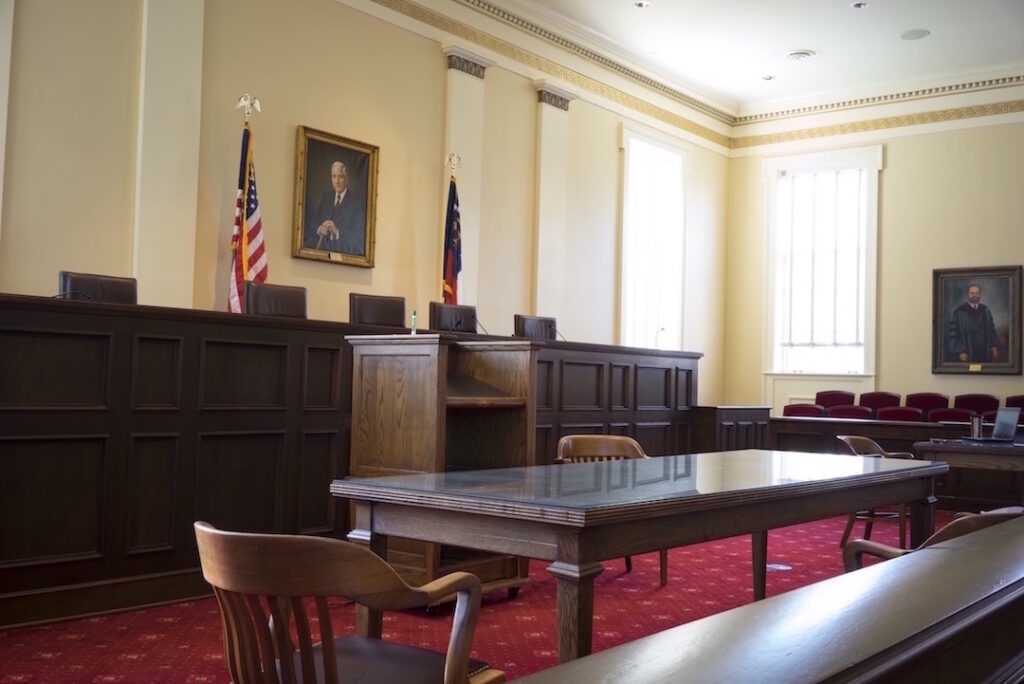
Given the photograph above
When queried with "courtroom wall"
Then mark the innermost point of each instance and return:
(947, 199)
(323, 65)
(70, 158)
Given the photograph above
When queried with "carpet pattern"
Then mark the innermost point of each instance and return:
(181, 642)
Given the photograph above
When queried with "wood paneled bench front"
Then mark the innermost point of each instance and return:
(953, 612)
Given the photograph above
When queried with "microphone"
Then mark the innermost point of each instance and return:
(656, 333)
(559, 333)
(478, 324)
(72, 294)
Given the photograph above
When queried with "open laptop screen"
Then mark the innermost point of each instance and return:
(1006, 423)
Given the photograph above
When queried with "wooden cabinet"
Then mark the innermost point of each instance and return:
(430, 403)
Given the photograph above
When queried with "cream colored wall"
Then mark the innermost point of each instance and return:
(321, 64)
(508, 201)
(947, 200)
(69, 168)
(704, 274)
(593, 234)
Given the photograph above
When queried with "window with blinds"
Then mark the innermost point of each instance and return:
(822, 225)
(652, 243)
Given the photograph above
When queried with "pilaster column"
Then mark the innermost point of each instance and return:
(6, 36)
(552, 202)
(464, 136)
(167, 162)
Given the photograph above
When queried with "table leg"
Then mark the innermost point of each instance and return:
(759, 561)
(922, 520)
(575, 607)
(369, 622)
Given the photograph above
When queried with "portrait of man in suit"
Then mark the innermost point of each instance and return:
(339, 223)
(335, 199)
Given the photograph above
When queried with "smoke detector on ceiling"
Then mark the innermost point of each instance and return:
(799, 55)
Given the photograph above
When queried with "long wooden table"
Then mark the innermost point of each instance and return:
(952, 612)
(971, 456)
(576, 515)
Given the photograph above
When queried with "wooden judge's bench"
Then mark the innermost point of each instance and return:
(120, 425)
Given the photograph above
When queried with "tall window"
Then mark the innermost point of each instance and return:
(823, 211)
(652, 243)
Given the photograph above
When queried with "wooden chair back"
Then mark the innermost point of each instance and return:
(376, 309)
(97, 288)
(264, 584)
(865, 446)
(273, 300)
(586, 448)
(452, 317)
(534, 327)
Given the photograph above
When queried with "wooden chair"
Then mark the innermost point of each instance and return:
(863, 446)
(830, 398)
(850, 411)
(266, 583)
(978, 403)
(926, 401)
(97, 288)
(877, 400)
(589, 448)
(534, 327)
(854, 552)
(899, 413)
(452, 317)
(803, 410)
(376, 309)
(265, 299)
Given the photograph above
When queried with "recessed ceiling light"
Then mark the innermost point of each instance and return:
(642, 3)
(858, 5)
(915, 34)
(797, 55)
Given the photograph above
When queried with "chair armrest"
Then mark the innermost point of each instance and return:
(900, 454)
(854, 551)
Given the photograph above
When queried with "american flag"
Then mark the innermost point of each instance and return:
(248, 255)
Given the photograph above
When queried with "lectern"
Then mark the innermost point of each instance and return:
(429, 403)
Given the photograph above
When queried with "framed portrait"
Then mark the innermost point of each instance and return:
(976, 314)
(335, 199)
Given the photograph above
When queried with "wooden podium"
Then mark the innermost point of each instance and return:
(429, 404)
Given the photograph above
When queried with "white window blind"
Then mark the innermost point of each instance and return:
(822, 225)
(652, 243)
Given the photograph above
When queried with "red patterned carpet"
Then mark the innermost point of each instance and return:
(182, 642)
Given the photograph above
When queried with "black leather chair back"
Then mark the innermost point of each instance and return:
(274, 300)
(535, 327)
(452, 317)
(376, 309)
(98, 288)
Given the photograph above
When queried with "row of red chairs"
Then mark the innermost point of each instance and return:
(930, 406)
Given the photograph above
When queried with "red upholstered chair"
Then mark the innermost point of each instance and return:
(877, 400)
(849, 411)
(926, 401)
(803, 410)
(955, 414)
(899, 413)
(979, 403)
(1016, 400)
(830, 398)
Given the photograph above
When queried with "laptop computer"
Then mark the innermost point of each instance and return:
(1004, 429)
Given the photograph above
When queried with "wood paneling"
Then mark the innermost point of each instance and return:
(156, 372)
(152, 492)
(317, 462)
(238, 374)
(54, 369)
(322, 378)
(653, 388)
(582, 386)
(51, 499)
(619, 393)
(237, 480)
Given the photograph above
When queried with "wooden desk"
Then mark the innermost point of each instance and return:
(952, 612)
(958, 454)
(577, 515)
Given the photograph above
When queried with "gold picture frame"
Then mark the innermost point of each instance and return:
(335, 199)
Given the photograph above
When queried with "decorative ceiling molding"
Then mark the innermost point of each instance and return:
(899, 121)
(583, 83)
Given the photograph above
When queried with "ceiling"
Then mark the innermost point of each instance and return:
(721, 51)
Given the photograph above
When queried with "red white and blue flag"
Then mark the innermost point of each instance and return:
(248, 254)
(452, 246)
